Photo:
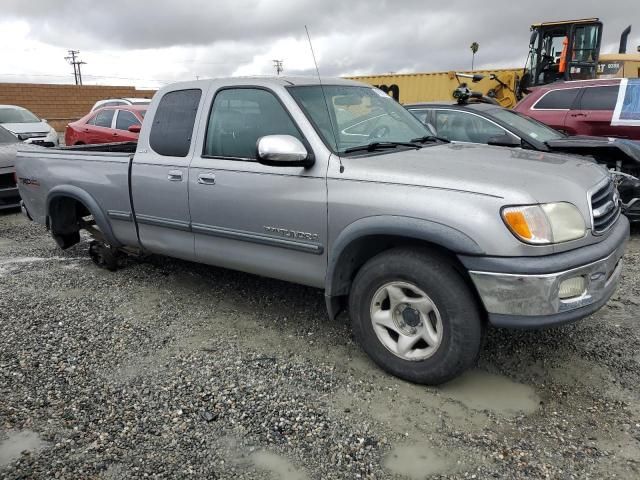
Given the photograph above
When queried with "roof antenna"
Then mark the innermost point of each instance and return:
(324, 96)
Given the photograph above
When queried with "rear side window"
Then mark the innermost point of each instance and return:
(173, 122)
(558, 99)
(125, 120)
(239, 117)
(599, 98)
(458, 126)
(103, 119)
(422, 115)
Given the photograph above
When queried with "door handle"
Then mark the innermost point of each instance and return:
(207, 179)
(175, 176)
(578, 114)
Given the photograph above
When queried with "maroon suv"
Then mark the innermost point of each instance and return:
(578, 108)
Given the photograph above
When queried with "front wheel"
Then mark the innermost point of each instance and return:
(415, 316)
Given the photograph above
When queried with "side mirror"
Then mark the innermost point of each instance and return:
(134, 128)
(283, 151)
(504, 140)
(44, 120)
(533, 38)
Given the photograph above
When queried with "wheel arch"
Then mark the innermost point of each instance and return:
(60, 220)
(369, 236)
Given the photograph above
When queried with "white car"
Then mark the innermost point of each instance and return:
(28, 127)
(115, 102)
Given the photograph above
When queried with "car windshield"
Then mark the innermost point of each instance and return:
(359, 116)
(17, 115)
(7, 137)
(528, 126)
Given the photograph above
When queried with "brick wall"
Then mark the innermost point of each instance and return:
(61, 104)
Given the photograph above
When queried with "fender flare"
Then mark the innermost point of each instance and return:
(436, 233)
(90, 203)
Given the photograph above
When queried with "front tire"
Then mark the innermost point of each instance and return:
(415, 316)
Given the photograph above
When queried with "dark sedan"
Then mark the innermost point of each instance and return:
(490, 124)
(9, 197)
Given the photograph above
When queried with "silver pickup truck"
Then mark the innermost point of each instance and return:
(337, 186)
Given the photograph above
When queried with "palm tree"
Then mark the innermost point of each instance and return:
(474, 48)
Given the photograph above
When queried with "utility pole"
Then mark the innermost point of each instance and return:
(278, 66)
(76, 62)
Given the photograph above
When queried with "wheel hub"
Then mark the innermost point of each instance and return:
(411, 316)
(407, 319)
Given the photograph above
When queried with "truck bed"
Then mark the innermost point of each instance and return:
(95, 175)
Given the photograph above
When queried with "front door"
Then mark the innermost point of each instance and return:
(121, 133)
(252, 217)
(593, 112)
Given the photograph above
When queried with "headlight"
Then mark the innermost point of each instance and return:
(546, 223)
(52, 136)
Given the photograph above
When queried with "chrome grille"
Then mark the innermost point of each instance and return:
(605, 207)
(27, 136)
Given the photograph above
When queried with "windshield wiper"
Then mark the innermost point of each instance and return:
(430, 138)
(370, 147)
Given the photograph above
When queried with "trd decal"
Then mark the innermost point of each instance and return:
(29, 181)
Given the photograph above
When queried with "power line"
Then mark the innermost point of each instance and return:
(77, 74)
(85, 76)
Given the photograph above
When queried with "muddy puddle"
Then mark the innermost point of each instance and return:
(279, 467)
(481, 390)
(419, 461)
(17, 442)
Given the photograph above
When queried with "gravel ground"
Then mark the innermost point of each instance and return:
(168, 369)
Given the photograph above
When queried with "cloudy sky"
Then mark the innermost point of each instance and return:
(149, 44)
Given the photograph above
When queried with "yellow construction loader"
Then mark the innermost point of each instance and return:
(564, 50)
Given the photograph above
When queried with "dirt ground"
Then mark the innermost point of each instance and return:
(168, 369)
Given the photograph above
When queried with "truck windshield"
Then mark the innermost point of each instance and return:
(529, 127)
(359, 116)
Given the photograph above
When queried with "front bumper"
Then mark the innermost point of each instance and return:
(529, 297)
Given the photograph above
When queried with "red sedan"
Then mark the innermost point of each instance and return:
(106, 125)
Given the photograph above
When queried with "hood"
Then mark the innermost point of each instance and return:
(31, 127)
(517, 175)
(602, 149)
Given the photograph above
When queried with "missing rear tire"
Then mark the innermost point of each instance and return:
(105, 256)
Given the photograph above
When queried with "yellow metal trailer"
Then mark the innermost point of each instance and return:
(425, 87)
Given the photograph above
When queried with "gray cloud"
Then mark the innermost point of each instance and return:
(374, 36)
